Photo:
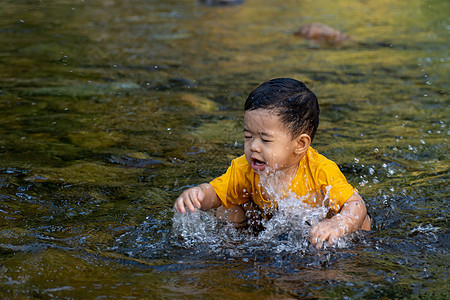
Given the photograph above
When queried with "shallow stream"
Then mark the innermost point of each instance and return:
(109, 109)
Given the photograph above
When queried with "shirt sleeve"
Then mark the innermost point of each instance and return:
(232, 188)
(334, 182)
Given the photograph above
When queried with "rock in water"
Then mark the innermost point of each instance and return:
(322, 32)
(133, 162)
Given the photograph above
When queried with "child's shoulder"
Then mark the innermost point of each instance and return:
(316, 159)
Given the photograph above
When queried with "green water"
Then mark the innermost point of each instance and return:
(109, 109)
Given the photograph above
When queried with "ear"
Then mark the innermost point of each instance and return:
(303, 143)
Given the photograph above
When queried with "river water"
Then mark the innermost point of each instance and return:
(109, 109)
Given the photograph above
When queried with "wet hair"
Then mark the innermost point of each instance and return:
(290, 100)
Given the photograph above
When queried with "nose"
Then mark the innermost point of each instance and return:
(255, 146)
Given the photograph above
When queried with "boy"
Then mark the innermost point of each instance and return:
(281, 117)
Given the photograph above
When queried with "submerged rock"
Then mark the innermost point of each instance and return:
(90, 173)
(175, 83)
(200, 102)
(95, 140)
(323, 33)
(84, 89)
(133, 162)
(228, 131)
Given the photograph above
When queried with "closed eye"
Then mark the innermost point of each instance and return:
(266, 138)
(247, 134)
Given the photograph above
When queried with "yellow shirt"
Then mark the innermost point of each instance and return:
(314, 176)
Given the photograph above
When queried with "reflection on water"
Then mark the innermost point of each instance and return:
(109, 110)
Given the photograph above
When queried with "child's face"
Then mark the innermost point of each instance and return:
(268, 143)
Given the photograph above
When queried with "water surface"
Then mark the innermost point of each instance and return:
(109, 109)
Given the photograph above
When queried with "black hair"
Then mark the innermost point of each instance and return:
(289, 99)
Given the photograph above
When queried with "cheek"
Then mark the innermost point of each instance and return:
(246, 147)
(278, 153)
(271, 148)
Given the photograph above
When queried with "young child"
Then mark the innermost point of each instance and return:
(280, 119)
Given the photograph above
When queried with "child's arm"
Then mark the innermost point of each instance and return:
(348, 220)
(203, 197)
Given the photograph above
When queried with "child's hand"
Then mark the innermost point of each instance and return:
(327, 231)
(352, 216)
(190, 199)
(202, 197)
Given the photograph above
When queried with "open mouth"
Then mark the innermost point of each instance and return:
(258, 165)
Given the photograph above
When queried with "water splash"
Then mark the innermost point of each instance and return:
(195, 228)
(286, 232)
(288, 229)
(200, 233)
